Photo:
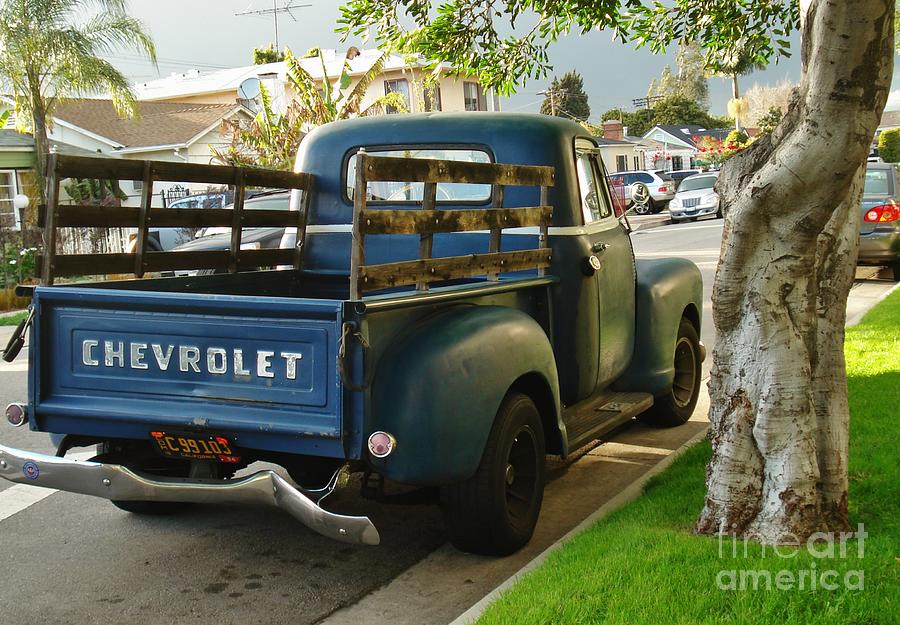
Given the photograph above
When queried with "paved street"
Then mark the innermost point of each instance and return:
(76, 559)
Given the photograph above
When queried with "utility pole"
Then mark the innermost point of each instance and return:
(549, 92)
(274, 12)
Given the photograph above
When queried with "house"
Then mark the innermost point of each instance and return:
(400, 73)
(672, 147)
(618, 152)
(167, 131)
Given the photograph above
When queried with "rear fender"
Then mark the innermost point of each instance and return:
(438, 389)
(667, 290)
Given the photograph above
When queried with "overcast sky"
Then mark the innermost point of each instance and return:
(207, 35)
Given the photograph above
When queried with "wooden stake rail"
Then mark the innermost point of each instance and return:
(144, 260)
(429, 221)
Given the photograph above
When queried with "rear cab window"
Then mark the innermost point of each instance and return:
(412, 192)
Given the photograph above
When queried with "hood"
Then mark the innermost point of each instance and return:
(684, 195)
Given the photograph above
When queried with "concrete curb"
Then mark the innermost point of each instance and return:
(856, 318)
(627, 495)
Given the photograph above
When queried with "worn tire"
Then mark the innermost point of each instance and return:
(495, 511)
(895, 269)
(677, 406)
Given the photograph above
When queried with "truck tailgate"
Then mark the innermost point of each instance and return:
(121, 363)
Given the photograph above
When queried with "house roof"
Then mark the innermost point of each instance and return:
(195, 82)
(159, 123)
(890, 119)
(602, 142)
(686, 133)
(12, 140)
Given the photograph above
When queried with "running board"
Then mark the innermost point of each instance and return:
(591, 419)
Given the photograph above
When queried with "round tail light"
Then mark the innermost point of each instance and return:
(16, 415)
(381, 444)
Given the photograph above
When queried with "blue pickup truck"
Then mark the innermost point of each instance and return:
(460, 299)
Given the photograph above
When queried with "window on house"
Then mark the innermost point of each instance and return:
(637, 163)
(8, 216)
(621, 162)
(401, 86)
(432, 97)
(474, 98)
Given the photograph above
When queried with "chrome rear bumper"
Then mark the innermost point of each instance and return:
(115, 482)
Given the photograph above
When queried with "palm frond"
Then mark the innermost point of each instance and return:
(352, 104)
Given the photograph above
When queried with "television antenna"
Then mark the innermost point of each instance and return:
(287, 7)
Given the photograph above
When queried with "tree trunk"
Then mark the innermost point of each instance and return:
(41, 142)
(779, 414)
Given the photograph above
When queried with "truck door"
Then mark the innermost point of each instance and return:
(610, 261)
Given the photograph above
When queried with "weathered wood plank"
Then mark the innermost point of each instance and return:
(102, 264)
(302, 218)
(374, 277)
(497, 193)
(426, 239)
(544, 241)
(49, 233)
(68, 166)
(237, 220)
(464, 220)
(357, 242)
(393, 169)
(76, 216)
(143, 226)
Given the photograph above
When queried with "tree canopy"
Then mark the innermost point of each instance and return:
(691, 80)
(267, 54)
(566, 98)
(472, 35)
(675, 110)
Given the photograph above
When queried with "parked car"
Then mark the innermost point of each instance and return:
(696, 197)
(165, 239)
(879, 234)
(660, 185)
(679, 175)
(219, 238)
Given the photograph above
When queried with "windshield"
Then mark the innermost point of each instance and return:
(877, 182)
(412, 191)
(695, 184)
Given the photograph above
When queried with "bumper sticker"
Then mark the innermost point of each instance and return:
(31, 470)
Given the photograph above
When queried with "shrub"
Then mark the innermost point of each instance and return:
(889, 145)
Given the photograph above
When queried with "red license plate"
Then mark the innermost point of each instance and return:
(194, 447)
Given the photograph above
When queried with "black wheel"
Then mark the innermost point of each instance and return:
(494, 512)
(677, 406)
(895, 269)
(655, 207)
(719, 214)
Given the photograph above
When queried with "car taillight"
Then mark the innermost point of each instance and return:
(663, 189)
(882, 214)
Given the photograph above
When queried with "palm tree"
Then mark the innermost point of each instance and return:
(740, 62)
(48, 54)
(271, 139)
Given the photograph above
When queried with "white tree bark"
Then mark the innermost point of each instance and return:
(779, 413)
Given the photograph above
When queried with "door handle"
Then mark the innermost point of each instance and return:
(599, 247)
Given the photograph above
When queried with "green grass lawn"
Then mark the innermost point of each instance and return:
(642, 564)
(12, 320)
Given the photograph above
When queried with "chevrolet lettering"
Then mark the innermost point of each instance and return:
(455, 296)
(189, 358)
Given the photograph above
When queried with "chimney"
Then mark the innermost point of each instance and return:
(613, 129)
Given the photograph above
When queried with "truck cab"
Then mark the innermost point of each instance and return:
(457, 296)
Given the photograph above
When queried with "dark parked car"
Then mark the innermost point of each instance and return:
(879, 234)
(212, 239)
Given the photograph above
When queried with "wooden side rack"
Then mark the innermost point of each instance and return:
(427, 221)
(144, 260)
